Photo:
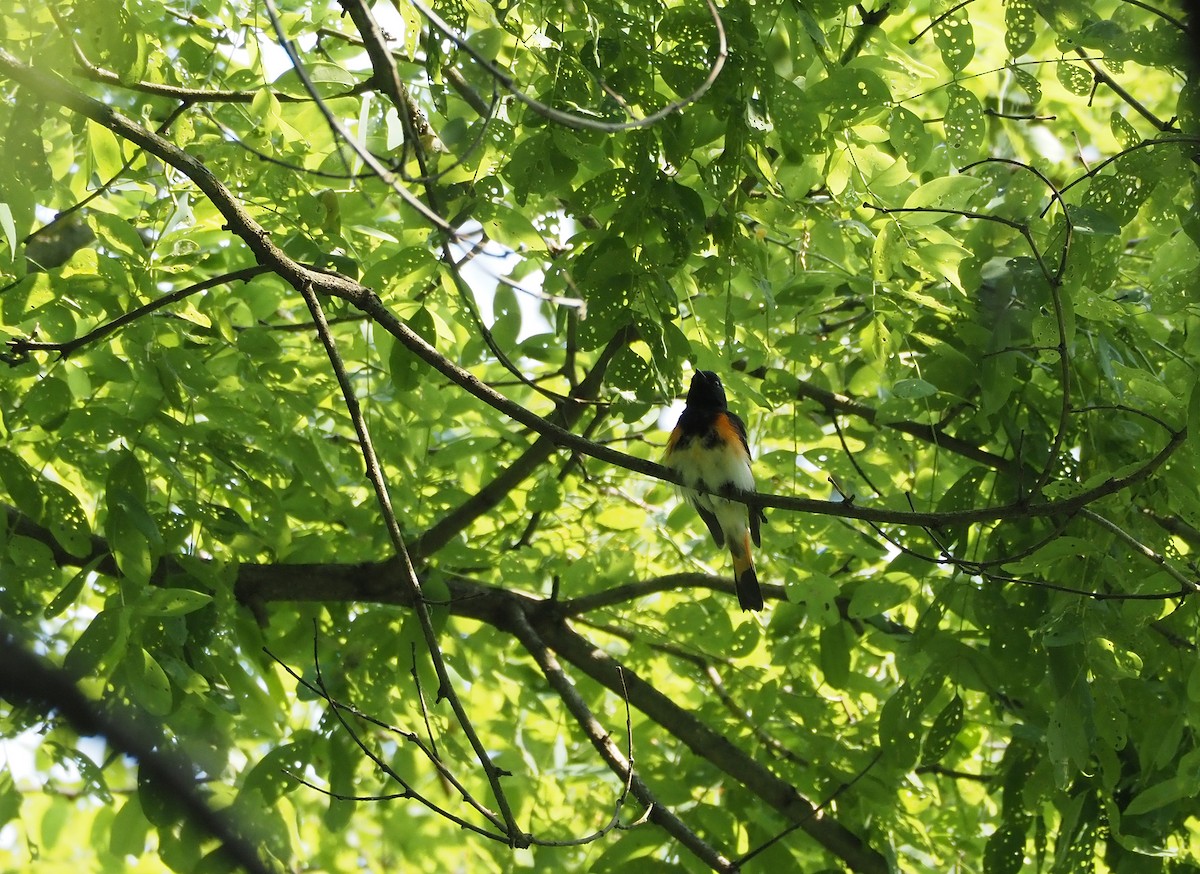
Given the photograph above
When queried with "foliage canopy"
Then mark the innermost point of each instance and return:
(944, 257)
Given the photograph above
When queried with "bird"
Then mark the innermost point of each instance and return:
(708, 449)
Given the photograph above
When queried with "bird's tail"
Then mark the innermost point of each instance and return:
(745, 580)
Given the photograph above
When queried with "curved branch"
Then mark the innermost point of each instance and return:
(568, 119)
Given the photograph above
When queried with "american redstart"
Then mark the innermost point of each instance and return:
(708, 449)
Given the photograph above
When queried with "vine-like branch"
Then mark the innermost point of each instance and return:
(568, 119)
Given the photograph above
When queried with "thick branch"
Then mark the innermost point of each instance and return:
(29, 680)
(712, 746)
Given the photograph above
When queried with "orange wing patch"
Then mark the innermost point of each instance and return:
(730, 434)
(672, 440)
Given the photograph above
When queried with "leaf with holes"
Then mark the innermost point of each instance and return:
(1075, 78)
(1019, 18)
(900, 726)
(1124, 133)
(66, 520)
(964, 123)
(1029, 84)
(946, 726)
(955, 39)
(1004, 852)
(850, 94)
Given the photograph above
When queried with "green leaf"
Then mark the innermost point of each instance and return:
(173, 602)
(119, 236)
(1124, 133)
(816, 591)
(104, 634)
(1029, 84)
(900, 729)
(955, 39)
(835, 655)
(129, 545)
(506, 311)
(1157, 796)
(69, 593)
(1086, 220)
(66, 520)
(945, 192)
(22, 486)
(850, 94)
(1075, 78)
(1004, 852)
(909, 136)
(632, 851)
(105, 152)
(913, 389)
(1019, 18)
(148, 684)
(1193, 686)
(127, 835)
(964, 123)
(946, 726)
(10, 798)
(264, 108)
(9, 227)
(406, 369)
(875, 596)
(887, 252)
(48, 402)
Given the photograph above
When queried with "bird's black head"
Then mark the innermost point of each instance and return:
(706, 391)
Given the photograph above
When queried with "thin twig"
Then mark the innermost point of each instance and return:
(1140, 548)
(321, 691)
(68, 347)
(1140, 108)
(516, 836)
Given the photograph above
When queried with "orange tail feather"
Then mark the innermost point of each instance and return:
(745, 580)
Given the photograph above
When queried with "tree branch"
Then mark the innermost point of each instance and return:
(29, 680)
(620, 764)
(710, 745)
(491, 494)
(333, 284)
(65, 348)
